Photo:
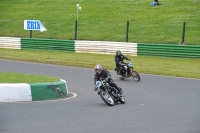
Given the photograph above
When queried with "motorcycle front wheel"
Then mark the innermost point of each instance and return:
(122, 100)
(135, 76)
(106, 98)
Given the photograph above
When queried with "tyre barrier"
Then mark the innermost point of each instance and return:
(23, 92)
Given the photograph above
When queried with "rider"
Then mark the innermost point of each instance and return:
(103, 74)
(119, 57)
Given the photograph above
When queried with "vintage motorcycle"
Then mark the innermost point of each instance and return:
(108, 94)
(126, 74)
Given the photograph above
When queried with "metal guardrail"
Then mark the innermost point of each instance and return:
(106, 47)
(47, 44)
(10, 42)
(169, 50)
(102, 47)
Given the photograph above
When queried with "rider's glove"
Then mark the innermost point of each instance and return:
(95, 89)
(129, 59)
(106, 79)
(125, 67)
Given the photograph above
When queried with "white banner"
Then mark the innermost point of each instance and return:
(34, 25)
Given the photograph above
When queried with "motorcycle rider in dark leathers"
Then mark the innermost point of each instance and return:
(119, 57)
(103, 74)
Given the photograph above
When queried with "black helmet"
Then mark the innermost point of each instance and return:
(118, 53)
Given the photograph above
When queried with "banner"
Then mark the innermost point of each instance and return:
(34, 25)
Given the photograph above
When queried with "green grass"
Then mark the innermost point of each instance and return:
(180, 67)
(11, 77)
(104, 20)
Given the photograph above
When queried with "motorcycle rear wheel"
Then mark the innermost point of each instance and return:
(122, 77)
(107, 98)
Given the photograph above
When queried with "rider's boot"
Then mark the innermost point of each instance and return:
(120, 73)
(117, 73)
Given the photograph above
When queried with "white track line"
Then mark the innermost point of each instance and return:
(74, 95)
(170, 76)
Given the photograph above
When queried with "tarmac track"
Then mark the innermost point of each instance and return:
(156, 104)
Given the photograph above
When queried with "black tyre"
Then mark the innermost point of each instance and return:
(135, 76)
(122, 78)
(122, 100)
(107, 98)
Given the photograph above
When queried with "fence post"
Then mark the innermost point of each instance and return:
(76, 24)
(183, 35)
(30, 33)
(127, 28)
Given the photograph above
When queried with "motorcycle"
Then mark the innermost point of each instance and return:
(108, 94)
(126, 74)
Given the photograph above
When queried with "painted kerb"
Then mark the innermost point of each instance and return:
(15, 92)
(49, 91)
(23, 92)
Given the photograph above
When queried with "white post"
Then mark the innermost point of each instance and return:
(78, 8)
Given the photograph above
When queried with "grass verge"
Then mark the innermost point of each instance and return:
(104, 20)
(10, 77)
(180, 67)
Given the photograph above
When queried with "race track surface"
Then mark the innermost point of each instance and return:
(156, 104)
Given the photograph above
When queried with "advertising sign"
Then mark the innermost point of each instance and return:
(34, 25)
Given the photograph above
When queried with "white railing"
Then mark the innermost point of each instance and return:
(105, 47)
(10, 42)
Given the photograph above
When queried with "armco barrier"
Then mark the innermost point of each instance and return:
(33, 92)
(47, 44)
(169, 50)
(105, 47)
(10, 42)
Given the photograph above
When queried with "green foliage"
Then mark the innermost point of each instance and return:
(104, 20)
(11, 77)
